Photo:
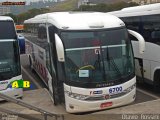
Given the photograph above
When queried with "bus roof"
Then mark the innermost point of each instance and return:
(3, 18)
(148, 7)
(78, 20)
(138, 10)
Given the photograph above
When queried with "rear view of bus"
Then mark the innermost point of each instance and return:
(10, 69)
(89, 62)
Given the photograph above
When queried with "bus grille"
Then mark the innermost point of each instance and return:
(102, 97)
(117, 95)
(95, 98)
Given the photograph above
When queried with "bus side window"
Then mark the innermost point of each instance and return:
(155, 37)
(42, 42)
(133, 23)
(147, 30)
(42, 34)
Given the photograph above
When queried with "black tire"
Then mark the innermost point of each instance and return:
(20, 98)
(156, 83)
(30, 64)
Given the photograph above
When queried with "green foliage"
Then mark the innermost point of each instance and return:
(99, 7)
(67, 5)
(19, 19)
(70, 5)
(12, 16)
(31, 13)
(106, 7)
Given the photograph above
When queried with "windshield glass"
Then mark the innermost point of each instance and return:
(97, 56)
(9, 59)
(7, 30)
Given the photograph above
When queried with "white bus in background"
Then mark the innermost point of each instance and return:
(146, 21)
(10, 69)
(85, 59)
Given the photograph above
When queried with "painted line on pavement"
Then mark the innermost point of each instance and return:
(149, 94)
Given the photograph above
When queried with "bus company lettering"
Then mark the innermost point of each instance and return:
(41, 70)
(105, 84)
(20, 84)
(96, 92)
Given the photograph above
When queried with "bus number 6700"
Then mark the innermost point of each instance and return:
(115, 90)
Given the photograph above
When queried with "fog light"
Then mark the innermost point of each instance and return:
(107, 97)
(71, 106)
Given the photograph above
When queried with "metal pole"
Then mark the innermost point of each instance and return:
(45, 116)
(16, 113)
(27, 105)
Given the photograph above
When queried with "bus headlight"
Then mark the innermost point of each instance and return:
(130, 88)
(76, 96)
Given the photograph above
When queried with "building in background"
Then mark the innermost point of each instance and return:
(84, 2)
(4, 10)
(143, 2)
(94, 2)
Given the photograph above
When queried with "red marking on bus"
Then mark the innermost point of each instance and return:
(41, 70)
(107, 104)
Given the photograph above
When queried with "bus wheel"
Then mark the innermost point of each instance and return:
(20, 98)
(30, 64)
(156, 82)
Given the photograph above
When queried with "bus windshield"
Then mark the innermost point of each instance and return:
(7, 30)
(9, 60)
(97, 56)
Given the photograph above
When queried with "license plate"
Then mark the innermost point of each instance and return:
(107, 104)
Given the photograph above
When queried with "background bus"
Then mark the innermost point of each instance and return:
(21, 39)
(87, 64)
(145, 20)
(10, 69)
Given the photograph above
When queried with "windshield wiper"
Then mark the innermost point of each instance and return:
(114, 64)
(98, 61)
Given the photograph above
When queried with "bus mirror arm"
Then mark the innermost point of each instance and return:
(59, 48)
(140, 39)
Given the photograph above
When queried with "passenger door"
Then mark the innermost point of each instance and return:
(56, 70)
(146, 69)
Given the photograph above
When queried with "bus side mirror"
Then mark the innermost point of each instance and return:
(21, 42)
(140, 39)
(59, 48)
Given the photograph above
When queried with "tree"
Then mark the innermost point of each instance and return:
(14, 17)
(31, 13)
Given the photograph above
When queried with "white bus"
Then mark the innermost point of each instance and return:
(146, 21)
(85, 59)
(10, 69)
